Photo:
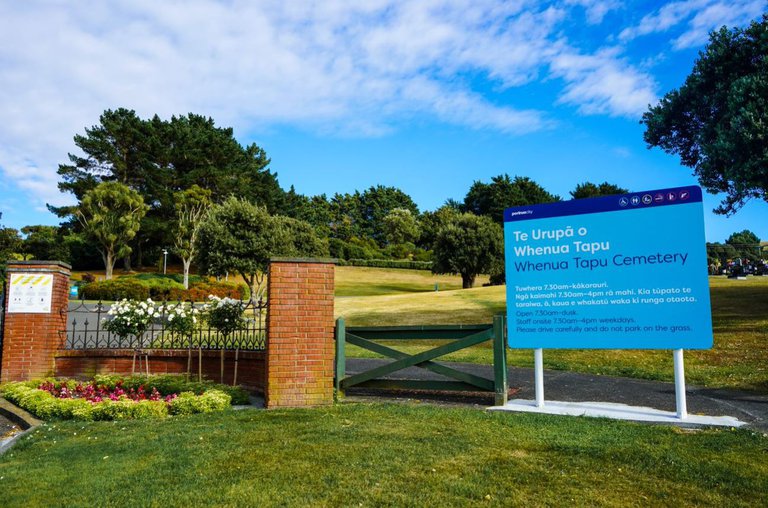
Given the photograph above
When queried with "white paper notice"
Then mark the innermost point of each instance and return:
(30, 293)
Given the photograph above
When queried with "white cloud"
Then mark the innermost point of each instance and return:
(699, 18)
(715, 16)
(333, 66)
(596, 10)
(603, 83)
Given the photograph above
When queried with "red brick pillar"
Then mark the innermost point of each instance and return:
(299, 366)
(36, 299)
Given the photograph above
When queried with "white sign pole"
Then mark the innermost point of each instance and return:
(538, 375)
(682, 409)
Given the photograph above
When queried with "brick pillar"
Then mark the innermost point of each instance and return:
(32, 326)
(300, 349)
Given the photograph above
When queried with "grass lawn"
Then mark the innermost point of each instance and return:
(364, 281)
(739, 358)
(392, 297)
(382, 455)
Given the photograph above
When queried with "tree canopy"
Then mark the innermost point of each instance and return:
(490, 199)
(468, 245)
(362, 214)
(746, 244)
(240, 237)
(591, 190)
(717, 121)
(401, 226)
(110, 215)
(158, 158)
(191, 206)
(44, 242)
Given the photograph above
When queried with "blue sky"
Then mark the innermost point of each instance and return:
(426, 96)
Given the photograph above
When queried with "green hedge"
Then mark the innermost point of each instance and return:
(177, 277)
(387, 263)
(143, 286)
(115, 289)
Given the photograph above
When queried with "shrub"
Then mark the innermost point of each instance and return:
(192, 398)
(224, 314)
(188, 403)
(388, 263)
(199, 291)
(161, 288)
(115, 289)
(143, 286)
(168, 384)
(180, 318)
(131, 317)
(128, 409)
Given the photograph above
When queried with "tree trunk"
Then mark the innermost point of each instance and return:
(139, 255)
(109, 264)
(127, 263)
(186, 262)
(467, 280)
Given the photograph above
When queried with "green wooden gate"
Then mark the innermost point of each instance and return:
(457, 337)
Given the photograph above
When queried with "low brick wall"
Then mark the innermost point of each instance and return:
(85, 363)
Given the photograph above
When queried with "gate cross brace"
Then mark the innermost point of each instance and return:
(421, 360)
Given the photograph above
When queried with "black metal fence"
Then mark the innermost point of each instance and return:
(85, 330)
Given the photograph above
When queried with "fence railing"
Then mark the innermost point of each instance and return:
(85, 330)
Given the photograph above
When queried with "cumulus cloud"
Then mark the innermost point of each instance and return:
(336, 66)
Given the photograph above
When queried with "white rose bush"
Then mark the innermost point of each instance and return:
(226, 316)
(132, 318)
(182, 319)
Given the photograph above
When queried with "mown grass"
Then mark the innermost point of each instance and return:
(382, 455)
(739, 358)
(364, 281)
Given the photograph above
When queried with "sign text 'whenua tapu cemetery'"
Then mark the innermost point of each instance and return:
(624, 272)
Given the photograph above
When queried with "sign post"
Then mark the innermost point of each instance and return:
(538, 375)
(615, 272)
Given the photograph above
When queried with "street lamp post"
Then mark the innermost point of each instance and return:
(165, 259)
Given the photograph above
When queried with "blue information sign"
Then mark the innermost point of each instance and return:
(618, 272)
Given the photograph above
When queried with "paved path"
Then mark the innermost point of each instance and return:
(572, 387)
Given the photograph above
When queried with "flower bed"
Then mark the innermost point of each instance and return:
(113, 398)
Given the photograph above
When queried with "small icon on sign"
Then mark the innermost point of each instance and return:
(647, 199)
(635, 200)
(623, 202)
(659, 198)
(684, 194)
(671, 196)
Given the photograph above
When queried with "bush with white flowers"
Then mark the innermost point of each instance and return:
(180, 318)
(224, 314)
(131, 317)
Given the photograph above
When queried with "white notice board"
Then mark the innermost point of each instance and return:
(30, 293)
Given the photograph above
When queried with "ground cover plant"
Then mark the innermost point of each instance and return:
(739, 358)
(383, 455)
(117, 398)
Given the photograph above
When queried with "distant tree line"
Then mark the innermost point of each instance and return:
(186, 185)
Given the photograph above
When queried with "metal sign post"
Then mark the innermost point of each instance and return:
(682, 409)
(538, 375)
